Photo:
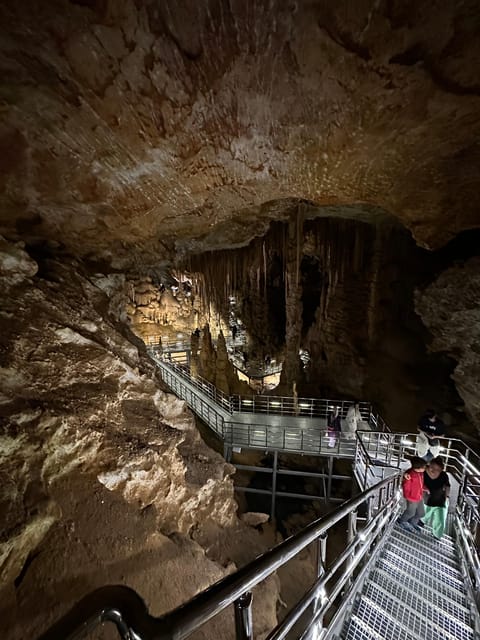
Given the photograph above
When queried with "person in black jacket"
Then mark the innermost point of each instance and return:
(437, 487)
(430, 428)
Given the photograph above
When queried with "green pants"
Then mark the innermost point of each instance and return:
(437, 518)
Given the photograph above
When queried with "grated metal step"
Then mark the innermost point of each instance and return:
(425, 544)
(421, 549)
(357, 629)
(379, 622)
(406, 589)
(418, 615)
(446, 542)
(406, 572)
(418, 566)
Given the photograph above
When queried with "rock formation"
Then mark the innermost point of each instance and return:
(84, 416)
(157, 311)
(450, 309)
(132, 130)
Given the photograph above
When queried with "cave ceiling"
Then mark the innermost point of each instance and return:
(132, 130)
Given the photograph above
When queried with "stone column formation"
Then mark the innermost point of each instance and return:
(293, 295)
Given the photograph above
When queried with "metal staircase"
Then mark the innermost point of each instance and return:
(415, 590)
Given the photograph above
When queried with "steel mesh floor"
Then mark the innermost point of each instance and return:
(446, 542)
(357, 630)
(452, 591)
(418, 615)
(419, 566)
(408, 590)
(426, 547)
(381, 623)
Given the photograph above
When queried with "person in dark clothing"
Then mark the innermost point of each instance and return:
(334, 425)
(430, 428)
(437, 487)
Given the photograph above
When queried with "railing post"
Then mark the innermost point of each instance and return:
(274, 484)
(352, 525)
(321, 568)
(369, 509)
(321, 554)
(330, 472)
(243, 617)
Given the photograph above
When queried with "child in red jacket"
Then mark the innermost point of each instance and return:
(413, 488)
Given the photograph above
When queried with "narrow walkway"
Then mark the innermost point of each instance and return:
(269, 424)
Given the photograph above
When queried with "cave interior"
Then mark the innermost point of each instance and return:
(296, 181)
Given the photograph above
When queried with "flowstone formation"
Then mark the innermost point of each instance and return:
(157, 311)
(339, 294)
(104, 476)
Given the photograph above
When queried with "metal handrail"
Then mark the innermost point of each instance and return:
(286, 437)
(203, 385)
(125, 608)
(460, 461)
(272, 405)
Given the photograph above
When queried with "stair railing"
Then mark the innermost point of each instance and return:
(387, 451)
(124, 608)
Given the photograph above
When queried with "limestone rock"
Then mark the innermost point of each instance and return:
(80, 398)
(450, 308)
(15, 264)
(254, 519)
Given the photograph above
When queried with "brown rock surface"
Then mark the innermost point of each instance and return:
(130, 128)
(95, 453)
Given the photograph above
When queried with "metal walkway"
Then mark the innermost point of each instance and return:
(267, 423)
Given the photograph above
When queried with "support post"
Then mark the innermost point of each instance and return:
(274, 484)
(243, 617)
(321, 564)
(352, 532)
(330, 472)
(321, 554)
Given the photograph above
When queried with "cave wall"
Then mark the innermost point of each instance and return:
(360, 329)
(369, 338)
(104, 476)
(450, 308)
